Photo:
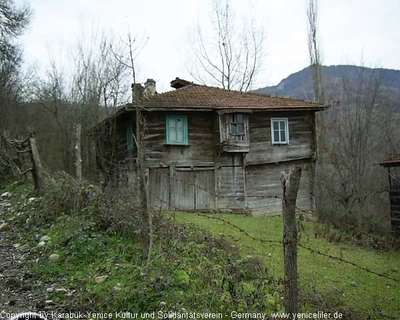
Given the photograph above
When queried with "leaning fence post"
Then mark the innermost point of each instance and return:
(290, 185)
(37, 165)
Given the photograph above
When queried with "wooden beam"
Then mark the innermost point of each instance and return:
(37, 165)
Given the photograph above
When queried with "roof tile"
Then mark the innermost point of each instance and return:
(203, 97)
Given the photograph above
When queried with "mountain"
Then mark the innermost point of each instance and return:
(300, 84)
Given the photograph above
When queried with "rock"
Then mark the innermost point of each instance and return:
(44, 239)
(6, 195)
(4, 227)
(54, 257)
(354, 284)
(117, 289)
(100, 279)
(49, 290)
(41, 244)
(31, 199)
(24, 247)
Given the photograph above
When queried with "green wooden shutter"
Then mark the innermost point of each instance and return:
(176, 129)
(129, 135)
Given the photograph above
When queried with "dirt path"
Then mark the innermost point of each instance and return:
(17, 286)
(20, 290)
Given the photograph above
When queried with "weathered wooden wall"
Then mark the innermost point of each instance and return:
(230, 176)
(201, 176)
(182, 188)
(301, 138)
(394, 196)
(264, 190)
(200, 150)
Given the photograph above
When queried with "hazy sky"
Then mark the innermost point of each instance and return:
(350, 31)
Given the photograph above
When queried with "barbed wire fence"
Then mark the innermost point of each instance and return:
(389, 241)
(276, 241)
(22, 147)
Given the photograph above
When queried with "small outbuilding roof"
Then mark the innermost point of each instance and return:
(393, 161)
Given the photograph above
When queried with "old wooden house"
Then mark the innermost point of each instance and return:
(210, 149)
(393, 166)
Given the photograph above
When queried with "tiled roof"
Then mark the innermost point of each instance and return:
(196, 96)
(391, 161)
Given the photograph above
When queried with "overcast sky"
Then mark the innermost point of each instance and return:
(350, 31)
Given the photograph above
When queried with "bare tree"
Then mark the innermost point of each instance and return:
(86, 94)
(314, 50)
(13, 22)
(134, 46)
(357, 134)
(228, 57)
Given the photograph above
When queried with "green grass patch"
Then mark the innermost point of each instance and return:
(100, 266)
(192, 270)
(324, 282)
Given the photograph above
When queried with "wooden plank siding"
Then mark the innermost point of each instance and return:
(394, 196)
(201, 176)
(264, 189)
(231, 182)
(182, 189)
(200, 148)
(301, 138)
(159, 188)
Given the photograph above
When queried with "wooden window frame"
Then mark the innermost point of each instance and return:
(234, 124)
(280, 130)
(169, 118)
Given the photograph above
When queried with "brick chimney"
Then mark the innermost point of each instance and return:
(149, 88)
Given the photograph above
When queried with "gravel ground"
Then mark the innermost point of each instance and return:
(20, 289)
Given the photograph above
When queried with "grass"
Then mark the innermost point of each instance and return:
(199, 263)
(191, 270)
(324, 282)
(100, 268)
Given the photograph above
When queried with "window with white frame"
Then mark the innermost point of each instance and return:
(280, 131)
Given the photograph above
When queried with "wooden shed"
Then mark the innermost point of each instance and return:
(210, 149)
(393, 166)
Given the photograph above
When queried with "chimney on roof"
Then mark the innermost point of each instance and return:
(179, 83)
(149, 88)
(137, 93)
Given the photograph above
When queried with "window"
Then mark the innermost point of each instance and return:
(280, 130)
(237, 124)
(129, 135)
(176, 130)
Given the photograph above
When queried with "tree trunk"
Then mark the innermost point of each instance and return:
(290, 186)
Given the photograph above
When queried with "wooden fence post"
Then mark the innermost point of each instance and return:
(78, 156)
(290, 187)
(37, 165)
